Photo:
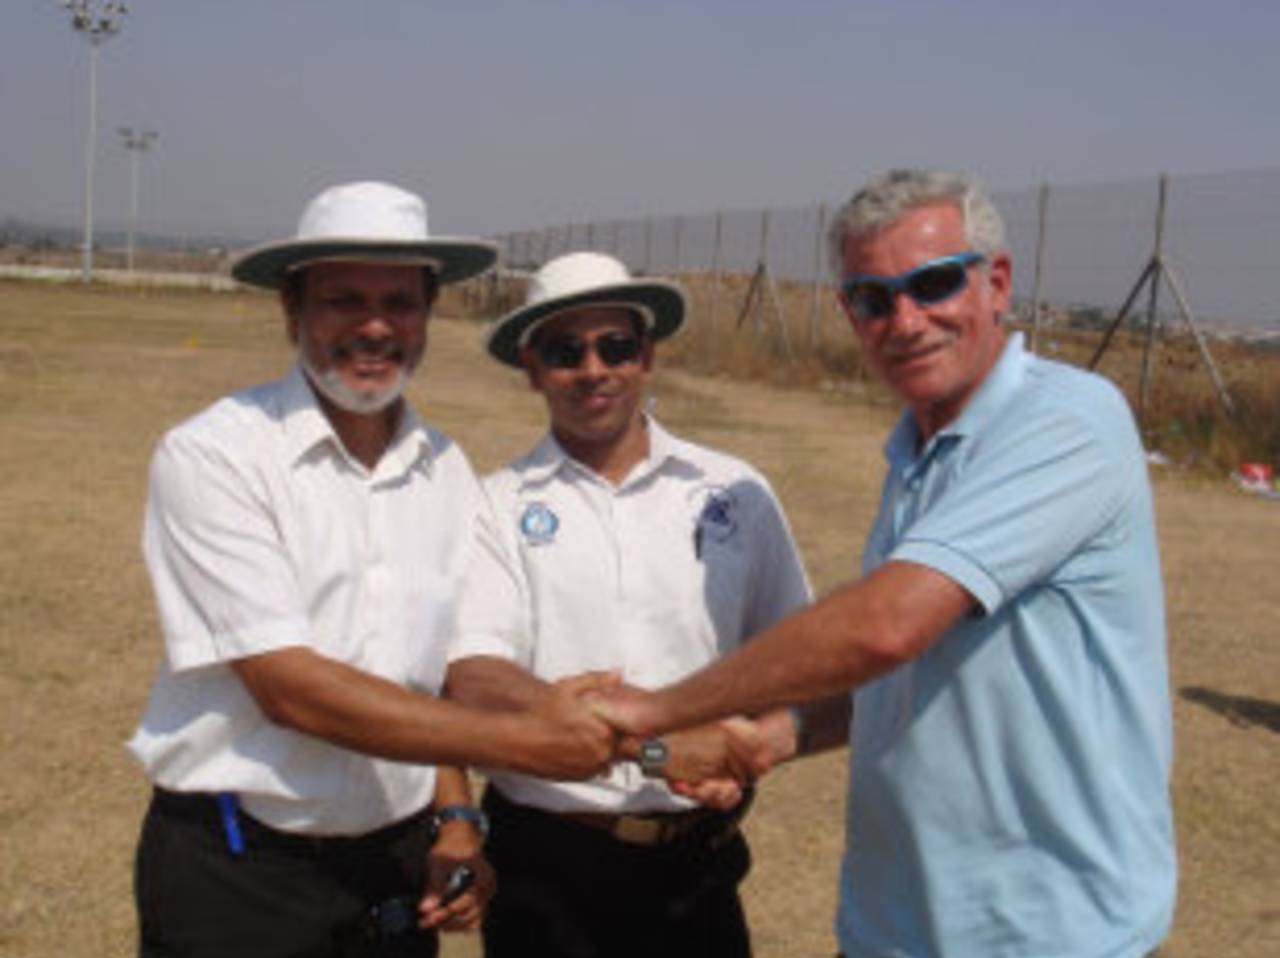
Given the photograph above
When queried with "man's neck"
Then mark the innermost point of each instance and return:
(612, 460)
(365, 436)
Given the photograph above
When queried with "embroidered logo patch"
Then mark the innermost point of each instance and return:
(538, 524)
(718, 518)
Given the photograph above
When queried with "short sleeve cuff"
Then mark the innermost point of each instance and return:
(469, 645)
(196, 652)
(956, 566)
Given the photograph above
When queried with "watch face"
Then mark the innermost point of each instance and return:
(653, 756)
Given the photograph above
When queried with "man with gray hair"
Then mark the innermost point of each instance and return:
(1011, 738)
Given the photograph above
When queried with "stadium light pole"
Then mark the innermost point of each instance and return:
(136, 142)
(96, 22)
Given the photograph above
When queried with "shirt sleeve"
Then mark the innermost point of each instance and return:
(493, 607)
(1030, 497)
(780, 584)
(225, 588)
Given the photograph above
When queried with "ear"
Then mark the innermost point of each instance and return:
(1000, 281)
(290, 317)
(530, 368)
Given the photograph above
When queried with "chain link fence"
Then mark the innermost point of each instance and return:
(1221, 236)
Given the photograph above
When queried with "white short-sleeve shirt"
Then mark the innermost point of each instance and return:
(263, 533)
(656, 577)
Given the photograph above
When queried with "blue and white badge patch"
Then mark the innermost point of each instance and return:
(538, 524)
(719, 517)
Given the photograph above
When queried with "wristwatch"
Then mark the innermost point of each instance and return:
(652, 758)
(473, 816)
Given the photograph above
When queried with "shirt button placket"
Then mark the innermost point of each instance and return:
(374, 560)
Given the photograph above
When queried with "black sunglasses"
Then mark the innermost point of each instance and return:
(872, 297)
(567, 351)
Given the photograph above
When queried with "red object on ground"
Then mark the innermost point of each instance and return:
(1256, 472)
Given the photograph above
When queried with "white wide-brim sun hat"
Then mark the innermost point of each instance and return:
(364, 222)
(585, 279)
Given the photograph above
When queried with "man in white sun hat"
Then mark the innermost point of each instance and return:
(305, 539)
(614, 545)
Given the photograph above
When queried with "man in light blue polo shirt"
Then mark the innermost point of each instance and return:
(1011, 739)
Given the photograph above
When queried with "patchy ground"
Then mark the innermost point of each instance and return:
(88, 381)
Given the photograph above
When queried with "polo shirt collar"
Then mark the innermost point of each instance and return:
(902, 446)
(306, 427)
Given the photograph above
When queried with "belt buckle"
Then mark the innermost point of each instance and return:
(638, 831)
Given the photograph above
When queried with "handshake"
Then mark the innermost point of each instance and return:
(584, 724)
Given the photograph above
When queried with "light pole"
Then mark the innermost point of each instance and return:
(136, 142)
(95, 21)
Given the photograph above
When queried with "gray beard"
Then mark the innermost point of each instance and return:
(330, 385)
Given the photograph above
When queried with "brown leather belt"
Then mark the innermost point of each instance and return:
(650, 828)
(647, 828)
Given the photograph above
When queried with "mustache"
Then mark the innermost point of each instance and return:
(586, 390)
(366, 347)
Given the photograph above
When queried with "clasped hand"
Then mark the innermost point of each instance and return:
(596, 721)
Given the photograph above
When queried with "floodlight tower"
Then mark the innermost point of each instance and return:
(95, 21)
(136, 142)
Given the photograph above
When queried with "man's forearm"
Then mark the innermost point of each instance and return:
(308, 693)
(824, 724)
(857, 633)
(489, 682)
(452, 787)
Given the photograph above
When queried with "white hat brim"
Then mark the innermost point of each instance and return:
(453, 260)
(659, 300)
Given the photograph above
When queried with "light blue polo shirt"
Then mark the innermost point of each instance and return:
(1010, 787)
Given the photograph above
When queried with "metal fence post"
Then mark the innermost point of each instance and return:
(815, 311)
(679, 230)
(1148, 349)
(715, 270)
(1041, 225)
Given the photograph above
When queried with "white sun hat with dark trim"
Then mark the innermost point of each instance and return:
(364, 222)
(585, 279)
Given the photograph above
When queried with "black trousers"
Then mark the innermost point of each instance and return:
(566, 890)
(284, 895)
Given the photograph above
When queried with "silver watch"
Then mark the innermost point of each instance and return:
(653, 757)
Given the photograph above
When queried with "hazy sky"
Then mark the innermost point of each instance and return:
(511, 115)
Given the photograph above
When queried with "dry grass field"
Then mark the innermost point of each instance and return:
(90, 379)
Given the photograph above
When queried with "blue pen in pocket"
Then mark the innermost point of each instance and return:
(229, 808)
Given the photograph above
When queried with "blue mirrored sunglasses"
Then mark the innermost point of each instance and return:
(872, 297)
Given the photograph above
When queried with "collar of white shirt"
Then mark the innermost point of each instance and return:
(306, 427)
(548, 458)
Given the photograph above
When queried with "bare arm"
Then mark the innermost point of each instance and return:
(737, 752)
(859, 632)
(492, 682)
(303, 691)
(826, 724)
(458, 843)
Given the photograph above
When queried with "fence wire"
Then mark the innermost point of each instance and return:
(1221, 236)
